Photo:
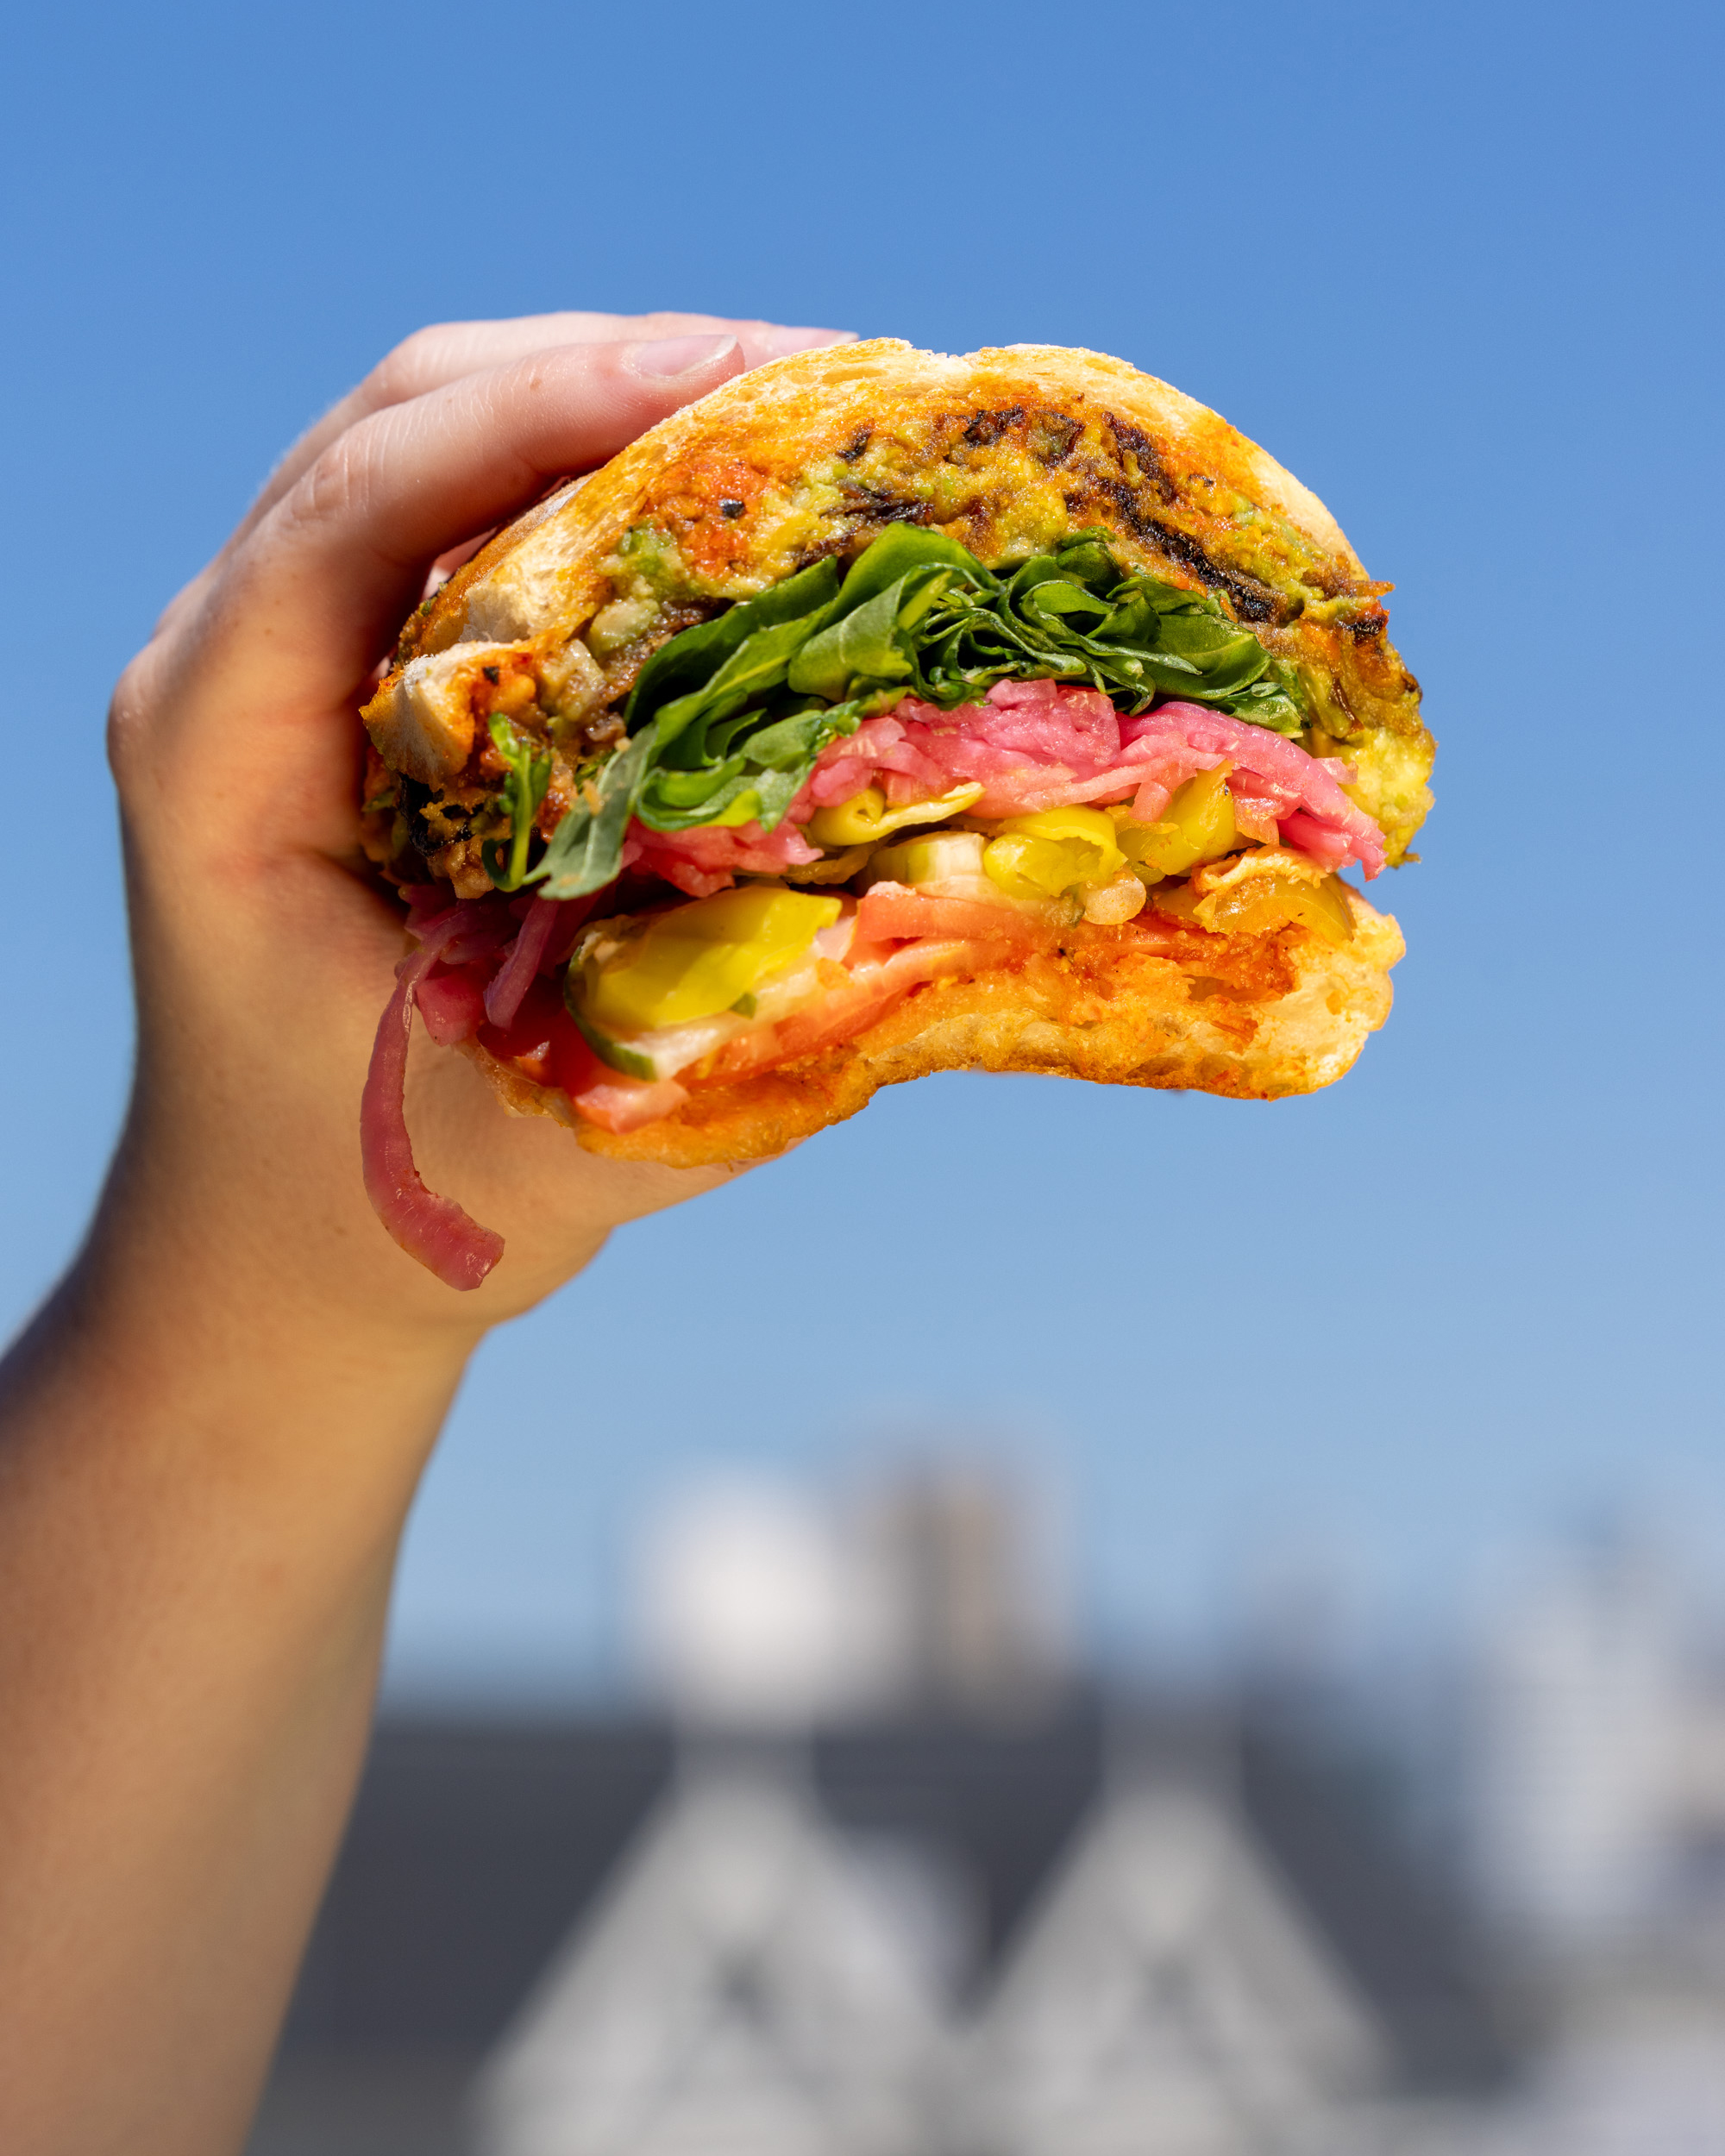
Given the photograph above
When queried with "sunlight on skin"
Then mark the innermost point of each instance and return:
(210, 1436)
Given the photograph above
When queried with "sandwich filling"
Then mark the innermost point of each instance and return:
(809, 806)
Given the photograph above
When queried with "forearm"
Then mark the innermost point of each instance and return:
(210, 1440)
(199, 1512)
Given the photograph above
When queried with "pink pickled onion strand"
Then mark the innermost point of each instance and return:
(1042, 744)
(470, 943)
(1329, 849)
(709, 858)
(451, 1005)
(520, 961)
(471, 928)
(436, 1231)
(573, 914)
(427, 905)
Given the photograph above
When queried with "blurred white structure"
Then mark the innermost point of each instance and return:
(1167, 1999)
(751, 1612)
(1599, 1753)
(753, 1985)
(759, 1608)
(755, 1982)
(966, 1582)
(1580, 1705)
(744, 1991)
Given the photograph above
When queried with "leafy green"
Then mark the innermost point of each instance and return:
(1072, 615)
(883, 610)
(586, 852)
(756, 782)
(726, 720)
(524, 789)
(710, 663)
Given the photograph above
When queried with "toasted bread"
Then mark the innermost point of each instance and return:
(1005, 451)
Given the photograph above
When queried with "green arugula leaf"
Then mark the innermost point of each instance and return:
(755, 784)
(524, 789)
(1072, 614)
(586, 851)
(758, 665)
(727, 719)
(690, 660)
(902, 548)
(867, 643)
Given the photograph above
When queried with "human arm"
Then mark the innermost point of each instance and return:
(210, 1436)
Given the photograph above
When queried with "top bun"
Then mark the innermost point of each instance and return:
(1005, 449)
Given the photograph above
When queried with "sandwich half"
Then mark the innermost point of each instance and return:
(884, 713)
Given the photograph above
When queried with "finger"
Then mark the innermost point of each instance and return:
(324, 580)
(443, 353)
(432, 357)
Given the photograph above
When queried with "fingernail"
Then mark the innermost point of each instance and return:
(669, 356)
(779, 343)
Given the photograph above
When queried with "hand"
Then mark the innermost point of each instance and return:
(210, 1436)
(264, 949)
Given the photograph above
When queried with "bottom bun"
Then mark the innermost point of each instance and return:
(1253, 1017)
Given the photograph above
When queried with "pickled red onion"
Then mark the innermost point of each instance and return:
(436, 1231)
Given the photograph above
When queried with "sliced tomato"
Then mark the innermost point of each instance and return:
(880, 977)
(574, 1065)
(620, 1104)
(892, 913)
(542, 1041)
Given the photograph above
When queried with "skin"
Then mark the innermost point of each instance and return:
(210, 1435)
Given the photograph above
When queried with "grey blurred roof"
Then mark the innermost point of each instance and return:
(476, 1846)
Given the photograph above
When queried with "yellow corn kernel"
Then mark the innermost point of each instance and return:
(704, 958)
(865, 816)
(1197, 825)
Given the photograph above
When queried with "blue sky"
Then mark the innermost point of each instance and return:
(1459, 268)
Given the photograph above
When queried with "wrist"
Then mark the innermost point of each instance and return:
(192, 1320)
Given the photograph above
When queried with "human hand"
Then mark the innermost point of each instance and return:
(211, 1434)
(263, 949)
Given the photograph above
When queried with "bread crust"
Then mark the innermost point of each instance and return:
(1004, 449)
(780, 416)
(1253, 1017)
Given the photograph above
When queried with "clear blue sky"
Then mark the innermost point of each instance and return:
(1458, 267)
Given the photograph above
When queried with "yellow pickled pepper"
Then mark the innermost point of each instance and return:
(704, 958)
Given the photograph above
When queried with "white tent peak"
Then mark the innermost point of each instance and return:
(742, 1988)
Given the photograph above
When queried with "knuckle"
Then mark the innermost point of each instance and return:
(334, 485)
(413, 365)
(128, 717)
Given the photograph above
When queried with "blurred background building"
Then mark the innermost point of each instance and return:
(871, 1863)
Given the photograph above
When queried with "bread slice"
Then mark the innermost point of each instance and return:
(1005, 450)
(1253, 1017)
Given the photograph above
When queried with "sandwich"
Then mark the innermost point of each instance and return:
(884, 713)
